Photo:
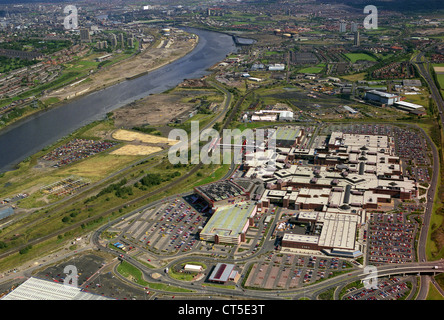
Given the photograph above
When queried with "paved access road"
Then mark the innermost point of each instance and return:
(423, 66)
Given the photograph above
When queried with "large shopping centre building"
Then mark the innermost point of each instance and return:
(330, 187)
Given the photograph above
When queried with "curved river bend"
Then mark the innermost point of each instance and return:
(31, 135)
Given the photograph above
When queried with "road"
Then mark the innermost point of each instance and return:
(423, 67)
(310, 291)
(66, 201)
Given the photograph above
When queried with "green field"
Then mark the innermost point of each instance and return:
(311, 70)
(440, 78)
(353, 57)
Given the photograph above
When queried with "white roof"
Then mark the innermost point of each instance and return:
(409, 105)
(193, 267)
(338, 231)
(301, 238)
(39, 289)
(383, 94)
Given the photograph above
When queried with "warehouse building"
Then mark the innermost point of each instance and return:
(276, 67)
(272, 115)
(383, 98)
(193, 268)
(410, 107)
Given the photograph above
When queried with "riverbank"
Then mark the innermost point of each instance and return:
(26, 137)
(136, 66)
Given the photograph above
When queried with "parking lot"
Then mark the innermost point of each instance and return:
(86, 266)
(168, 228)
(390, 239)
(387, 289)
(287, 271)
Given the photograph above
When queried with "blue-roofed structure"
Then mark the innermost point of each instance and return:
(6, 212)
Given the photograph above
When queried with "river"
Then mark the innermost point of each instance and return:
(28, 136)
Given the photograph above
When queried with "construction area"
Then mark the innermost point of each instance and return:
(65, 186)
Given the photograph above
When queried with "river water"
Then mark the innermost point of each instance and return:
(32, 134)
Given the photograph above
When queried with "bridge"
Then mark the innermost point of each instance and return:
(410, 268)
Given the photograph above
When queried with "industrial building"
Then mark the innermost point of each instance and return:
(383, 98)
(350, 110)
(276, 67)
(229, 224)
(193, 268)
(104, 57)
(410, 107)
(272, 115)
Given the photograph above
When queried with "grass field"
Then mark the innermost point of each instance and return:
(353, 57)
(440, 78)
(131, 272)
(438, 67)
(315, 69)
(99, 166)
(355, 77)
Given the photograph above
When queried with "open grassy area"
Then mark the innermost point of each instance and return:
(98, 166)
(353, 57)
(29, 177)
(434, 294)
(355, 77)
(440, 78)
(135, 275)
(316, 69)
(90, 209)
